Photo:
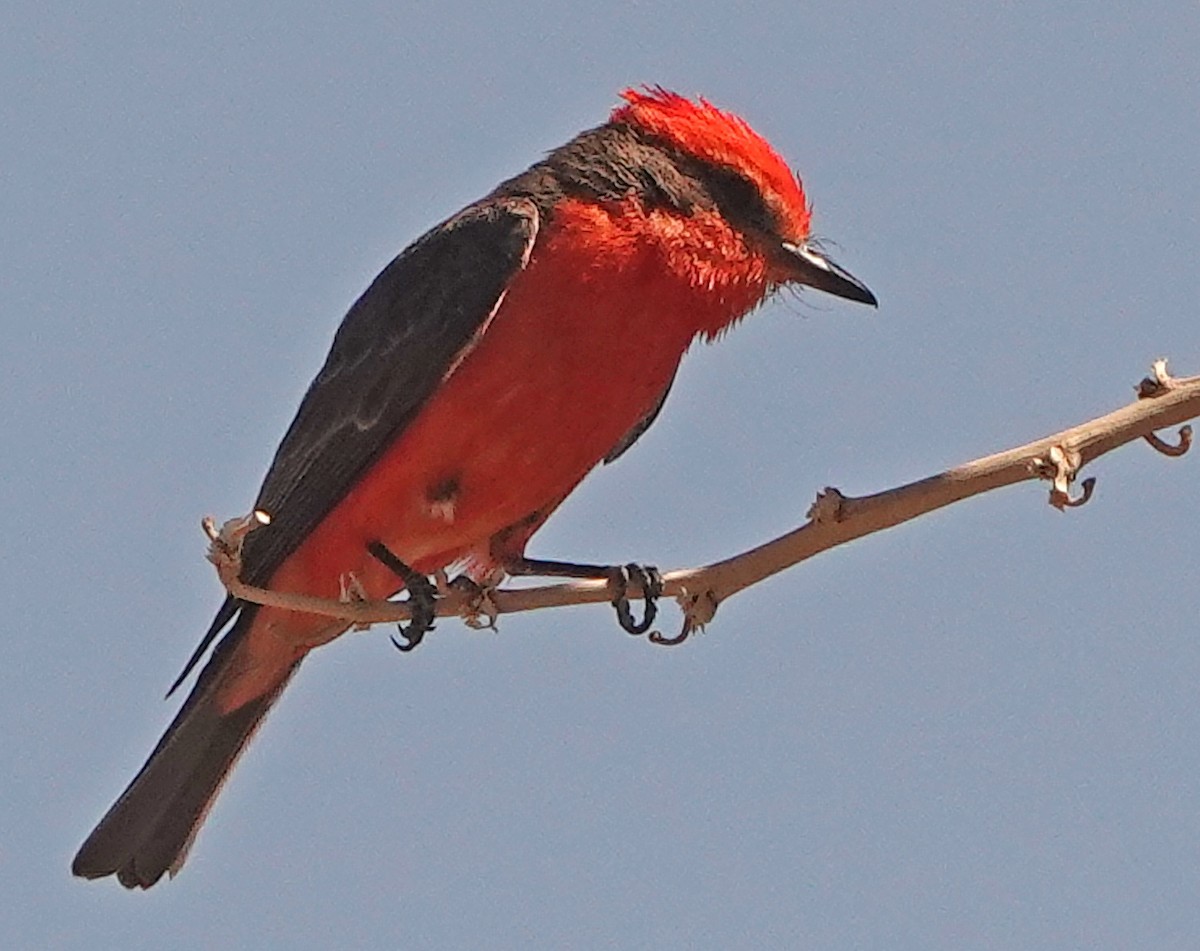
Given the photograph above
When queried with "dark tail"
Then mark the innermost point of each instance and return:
(150, 828)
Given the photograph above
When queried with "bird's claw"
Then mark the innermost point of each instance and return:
(422, 599)
(422, 602)
(650, 581)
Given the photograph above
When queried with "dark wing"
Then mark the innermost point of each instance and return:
(418, 318)
(640, 427)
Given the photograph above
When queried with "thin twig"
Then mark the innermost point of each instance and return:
(834, 519)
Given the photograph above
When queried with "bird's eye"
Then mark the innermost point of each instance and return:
(739, 199)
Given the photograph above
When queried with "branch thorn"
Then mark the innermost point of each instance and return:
(698, 610)
(1088, 485)
(351, 591)
(1184, 444)
(827, 508)
(225, 543)
(479, 611)
(1161, 381)
(1061, 469)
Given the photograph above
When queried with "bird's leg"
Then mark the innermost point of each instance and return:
(618, 577)
(421, 598)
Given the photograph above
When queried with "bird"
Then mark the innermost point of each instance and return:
(486, 370)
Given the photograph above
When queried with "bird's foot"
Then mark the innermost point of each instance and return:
(650, 581)
(422, 598)
(619, 577)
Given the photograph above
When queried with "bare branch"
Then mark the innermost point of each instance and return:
(833, 520)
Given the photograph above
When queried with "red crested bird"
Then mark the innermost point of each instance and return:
(485, 371)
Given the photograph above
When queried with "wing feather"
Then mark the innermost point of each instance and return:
(404, 335)
(401, 338)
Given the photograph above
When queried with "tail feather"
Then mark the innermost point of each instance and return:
(150, 828)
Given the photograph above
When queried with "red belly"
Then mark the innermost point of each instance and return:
(579, 351)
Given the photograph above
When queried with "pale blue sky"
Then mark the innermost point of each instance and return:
(976, 731)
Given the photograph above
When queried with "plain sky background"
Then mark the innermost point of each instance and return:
(979, 730)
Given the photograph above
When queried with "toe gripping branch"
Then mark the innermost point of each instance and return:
(651, 583)
(619, 579)
(422, 597)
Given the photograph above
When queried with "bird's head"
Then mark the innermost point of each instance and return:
(754, 189)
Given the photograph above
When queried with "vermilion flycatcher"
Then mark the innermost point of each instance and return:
(479, 378)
